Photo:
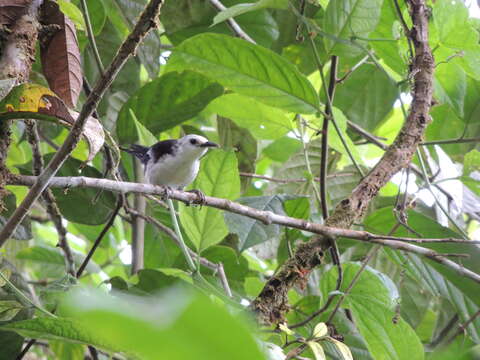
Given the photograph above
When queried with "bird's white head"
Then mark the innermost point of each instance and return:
(194, 146)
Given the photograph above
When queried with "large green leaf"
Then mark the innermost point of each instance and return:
(372, 301)
(383, 220)
(346, 19)
(71, 330)
(433, 281)
(177, 326)
(450, 85)
(454, 29)
(184, 19)
(263, 121)
(251, 232)
(243, 8)
(386, 339)
(232, 136)
(372, 287)
(218, 177)
(366, 97)
(166, 102)
(248, 69)
(51, 261)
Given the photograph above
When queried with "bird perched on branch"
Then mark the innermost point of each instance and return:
(172, 163)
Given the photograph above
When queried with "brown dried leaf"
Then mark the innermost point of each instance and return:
(60, 55)
(11, 10)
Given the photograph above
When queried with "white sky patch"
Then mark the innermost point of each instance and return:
(473, 8)
(126, 255)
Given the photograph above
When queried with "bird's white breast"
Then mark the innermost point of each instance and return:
(174, 171)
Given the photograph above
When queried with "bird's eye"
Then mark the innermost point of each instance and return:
(193, 141)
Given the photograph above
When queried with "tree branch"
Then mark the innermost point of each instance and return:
(272, 302)
(266, 217)
(146, 22)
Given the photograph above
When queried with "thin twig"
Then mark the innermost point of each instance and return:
(146, 22)
(461, 328)
(444, 332)
(287, 181)
(451, 141)
(232, 23)
(26, 349)
(100, 236)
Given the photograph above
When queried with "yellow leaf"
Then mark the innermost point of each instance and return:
(320, 330)
(317, 350)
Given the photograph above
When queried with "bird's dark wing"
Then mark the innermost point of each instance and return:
(138, 151)
(162, 148)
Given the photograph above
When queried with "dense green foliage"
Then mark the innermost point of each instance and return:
(263, 103)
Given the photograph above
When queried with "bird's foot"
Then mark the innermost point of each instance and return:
(167, 191)
(200, 200)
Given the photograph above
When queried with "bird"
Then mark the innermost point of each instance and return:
(172, 163)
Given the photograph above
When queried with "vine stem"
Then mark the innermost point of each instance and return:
(183, 246)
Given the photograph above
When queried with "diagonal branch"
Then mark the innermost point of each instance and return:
(272, 302)
(147, 21)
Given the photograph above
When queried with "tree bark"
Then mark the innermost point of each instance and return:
(272, 303)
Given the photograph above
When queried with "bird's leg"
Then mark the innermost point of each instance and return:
(167, 191)
(200, 197)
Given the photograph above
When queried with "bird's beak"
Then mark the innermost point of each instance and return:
(209, 144)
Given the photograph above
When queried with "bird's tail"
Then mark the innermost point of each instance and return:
(138, 151)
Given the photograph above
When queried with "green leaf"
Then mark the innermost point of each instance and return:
(64, 350)
(366, 97)
(247, 69)
(23, 230)
(51, 261)
(149, 329)
(144, 136)
(9, 309)
(73, 12)
(232, 136)
(166, 102)
(450, 86)
(64, 329)
(454, 29)
(382, 220)
(389, 28)
(11, 345)
(282, 148)
(372, 287)
(240, 9)
(263, 121)
(251, 232)
(218, 177)
(346, 19)
(336, 142)
(471, 162)
(386, 339)
(98, 16)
